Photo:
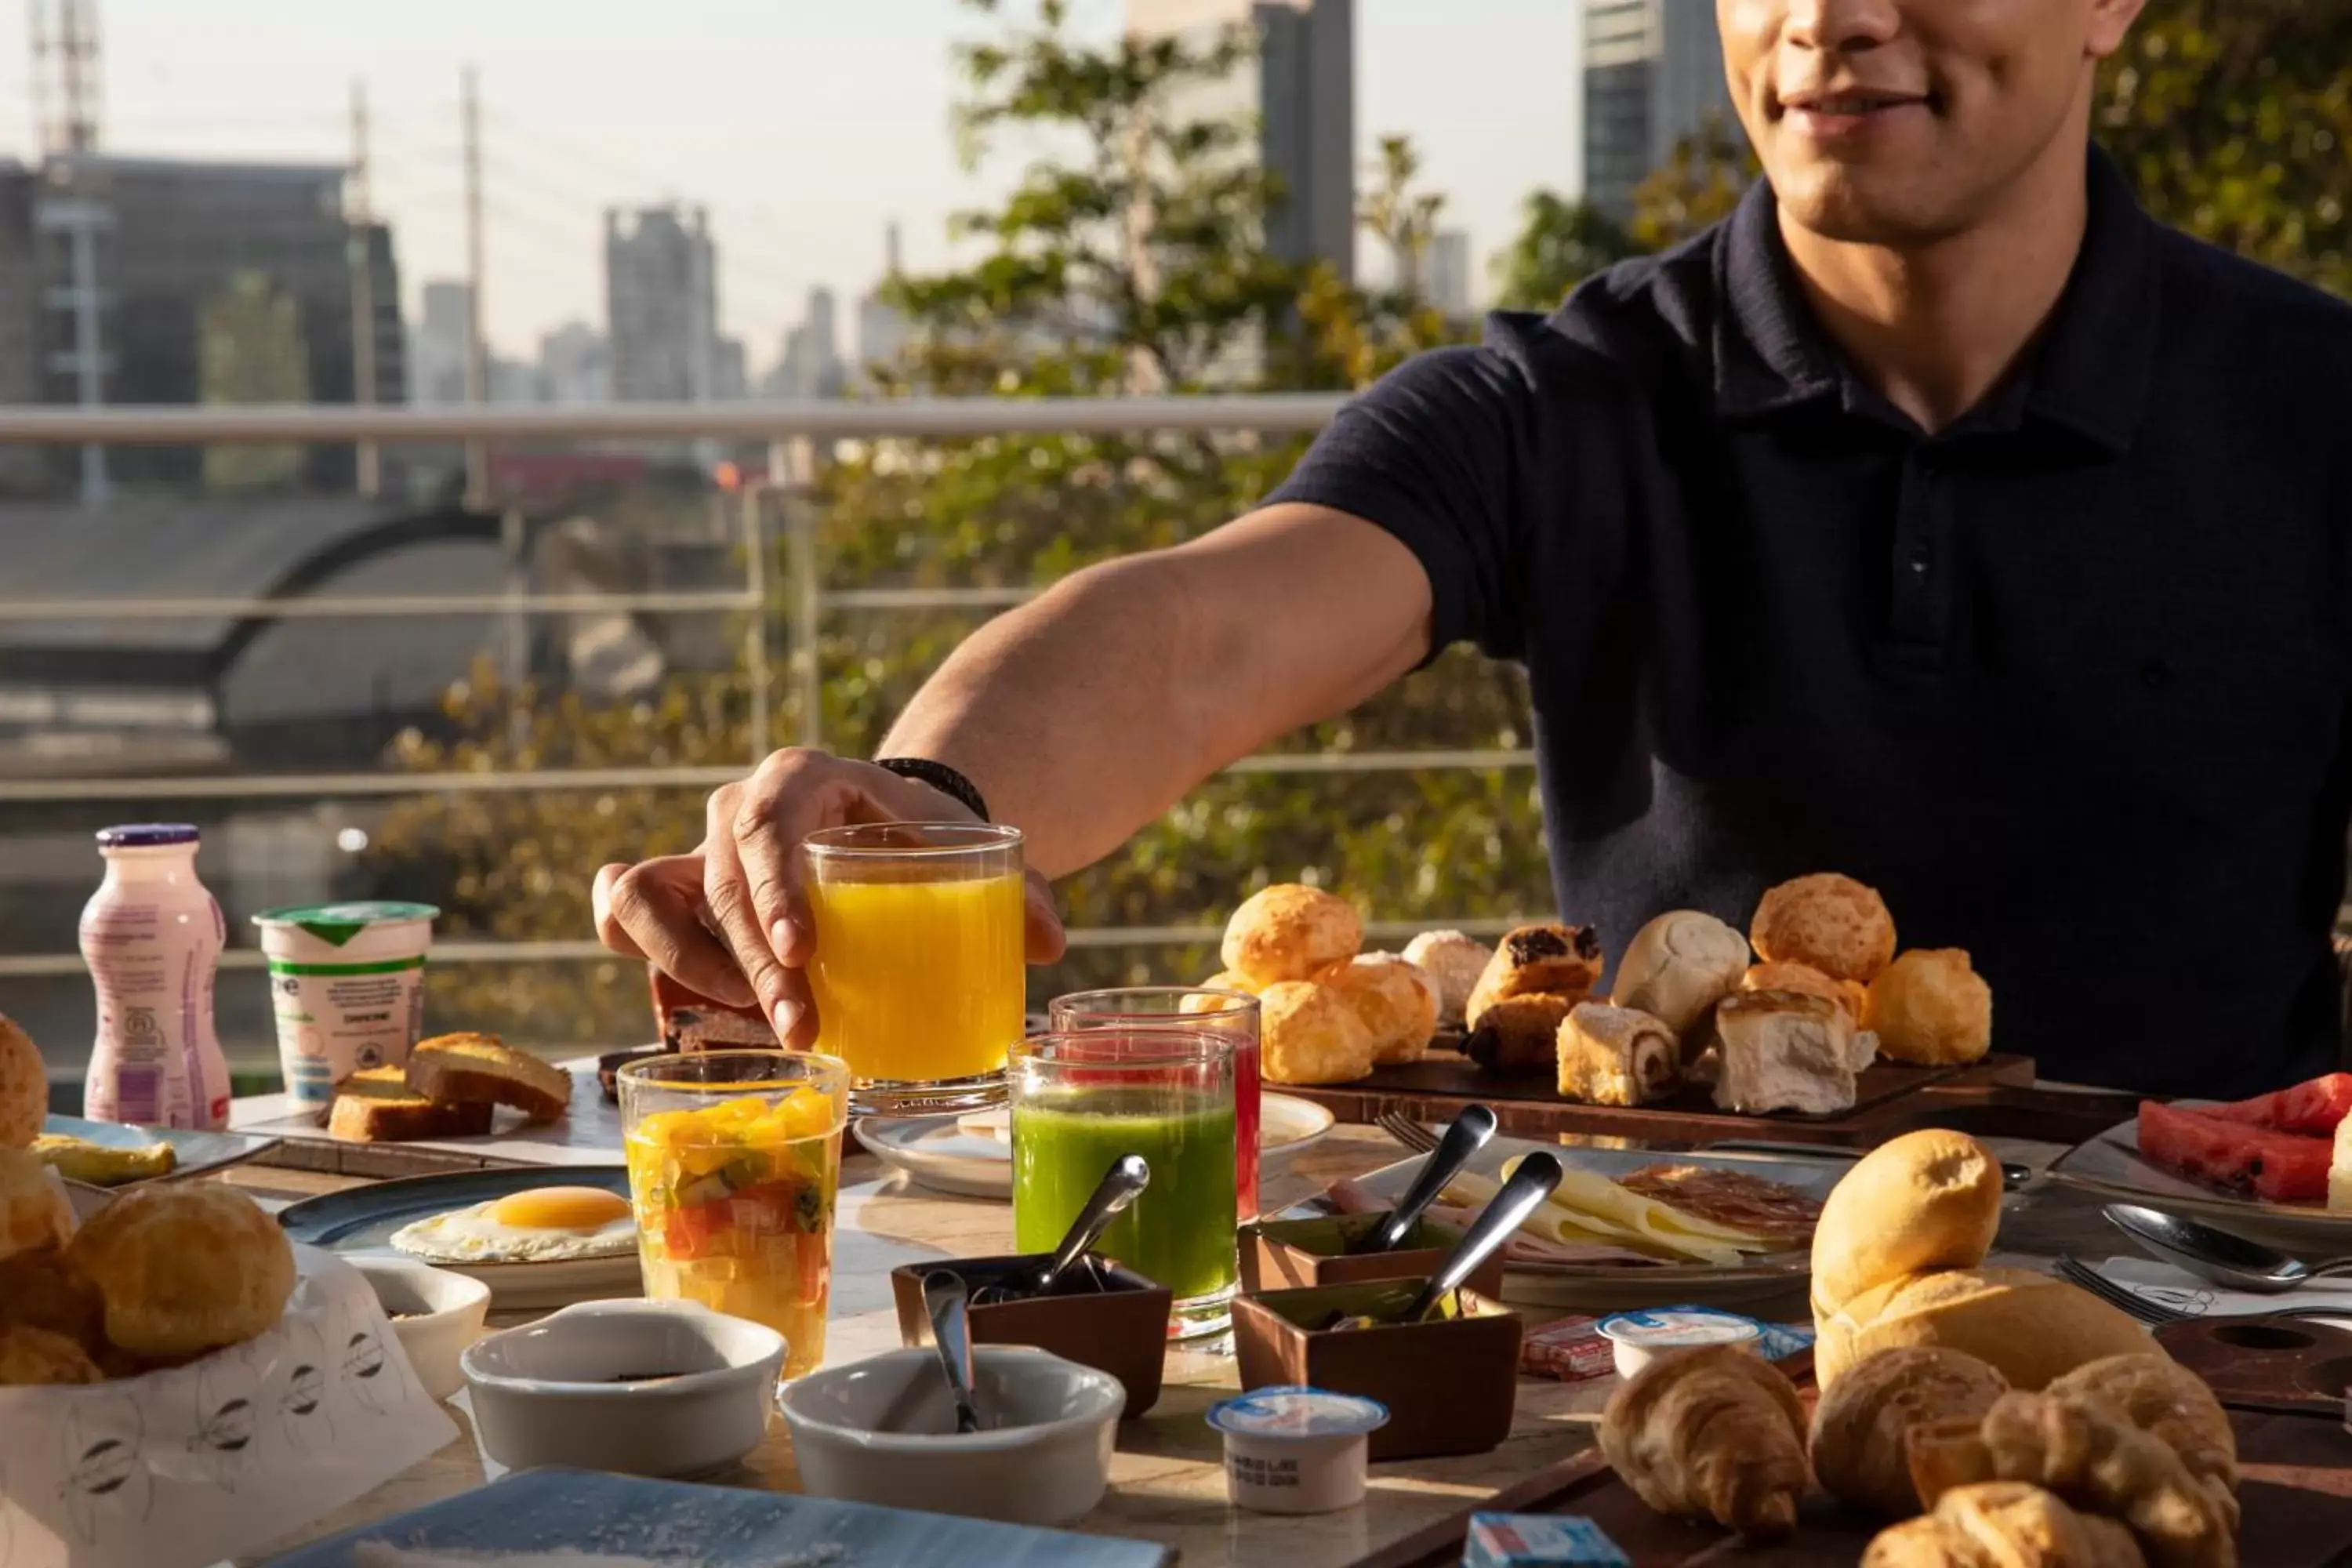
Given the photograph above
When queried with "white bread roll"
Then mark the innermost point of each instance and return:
(1678, 967)
(1454, 962)
(1783, 1050)
(2030, 1328)
(1928, 1200)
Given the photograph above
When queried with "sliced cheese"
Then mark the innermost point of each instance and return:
(1560, 1222)
(1586, 1193)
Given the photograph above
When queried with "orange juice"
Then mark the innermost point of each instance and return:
(918, 980)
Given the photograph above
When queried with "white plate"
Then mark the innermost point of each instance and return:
(971, 1156)
(1767, 1279)
(2110, 1166)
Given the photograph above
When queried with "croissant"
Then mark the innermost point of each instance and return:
(2004, 1524)
(2170, 1403)
(1715, 1433)
(2093, 1459)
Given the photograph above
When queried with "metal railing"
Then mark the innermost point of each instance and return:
(792, 431)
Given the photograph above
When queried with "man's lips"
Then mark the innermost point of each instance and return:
(1849, 102)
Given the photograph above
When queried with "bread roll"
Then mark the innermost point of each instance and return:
(24, 1088)
(1396, 1001)
(1834, 923)
(1309, 1034)
(2004, 1524)
(35, 1213)
(1859, 1424)
(1678, 967)
(1780, 1050)
(1223, 979)
(1290, 932)
(1847, 996)
(1616, 1055)
(1454, 963)
(185, 1269)
(1927, 1200)
(1539, 960)
(31, 1356)
(1931, 1007)
(2167, 1402)
(2030, 1328)
(42, 1290)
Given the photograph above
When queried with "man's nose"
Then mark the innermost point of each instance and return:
(1842, 26)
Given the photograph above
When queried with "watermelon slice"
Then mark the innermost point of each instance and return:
(2283, 1167)
(2317, 1107)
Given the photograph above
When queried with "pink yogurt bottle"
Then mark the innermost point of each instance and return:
(152, 936)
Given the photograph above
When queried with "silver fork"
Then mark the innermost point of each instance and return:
(1406, 1131)
(2154, 1314)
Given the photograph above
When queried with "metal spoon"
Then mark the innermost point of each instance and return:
(1128, 1174)
(1529, 1186)
(1473, 1125)
(943, 1299)
(2223, 1257)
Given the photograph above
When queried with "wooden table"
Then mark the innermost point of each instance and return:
(1168, 1482)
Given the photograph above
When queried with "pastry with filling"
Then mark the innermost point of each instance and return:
(1520, 1034)
(2004, 1524)
(1783, 1050)
(1617, 1056)
(1539, 960)
(1834, 923)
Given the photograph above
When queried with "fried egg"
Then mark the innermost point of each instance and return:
(544, 1224)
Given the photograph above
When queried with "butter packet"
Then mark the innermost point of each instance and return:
(1539, 1540)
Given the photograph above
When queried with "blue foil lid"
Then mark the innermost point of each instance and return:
(1296, 1410)
(146, 835)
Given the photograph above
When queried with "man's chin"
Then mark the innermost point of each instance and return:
(1858, 208)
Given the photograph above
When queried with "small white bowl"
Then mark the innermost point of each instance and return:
(435, 1314)
(644, 1388)
(883, 1431)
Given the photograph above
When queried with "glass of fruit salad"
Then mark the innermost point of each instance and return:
(734, 1159)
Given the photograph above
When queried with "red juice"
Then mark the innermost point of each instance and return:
(1246, 1125)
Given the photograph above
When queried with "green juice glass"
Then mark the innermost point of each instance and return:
(1082, 1100)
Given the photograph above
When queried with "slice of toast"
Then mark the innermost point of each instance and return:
(483, 1070)
(378, 1107)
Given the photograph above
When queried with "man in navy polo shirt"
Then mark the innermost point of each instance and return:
(1939, 519)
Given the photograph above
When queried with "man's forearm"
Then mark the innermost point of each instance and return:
(1073, 714)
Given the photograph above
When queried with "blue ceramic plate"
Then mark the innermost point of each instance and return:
(362, 1220)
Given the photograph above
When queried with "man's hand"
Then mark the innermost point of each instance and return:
(732, 919)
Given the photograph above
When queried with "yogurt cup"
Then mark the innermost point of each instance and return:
(1294, 1449)
(1636, 1337)
(347, 986)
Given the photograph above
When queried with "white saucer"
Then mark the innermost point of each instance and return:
(971, 1156)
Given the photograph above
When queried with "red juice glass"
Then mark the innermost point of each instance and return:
(1201, 1011)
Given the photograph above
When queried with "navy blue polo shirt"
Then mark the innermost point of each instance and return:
(2065, 680)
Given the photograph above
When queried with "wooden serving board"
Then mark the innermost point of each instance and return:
(2282, 1365)
(2296, 1496)
(1993, 1098)
(589, 1134)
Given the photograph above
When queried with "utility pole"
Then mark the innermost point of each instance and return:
(362, 224)
(478, 352)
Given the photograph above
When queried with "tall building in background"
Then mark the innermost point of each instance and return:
(436, 347)
(575, 365)
(661, 295)
(1448, 272)
(731, 374)
(1303, 95)
(881, 329)
(1653, 76)
(21, 467)
(144, 266)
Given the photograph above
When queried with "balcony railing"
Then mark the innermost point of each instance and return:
(793, 432)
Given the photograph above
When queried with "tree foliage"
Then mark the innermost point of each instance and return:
(1560, 243)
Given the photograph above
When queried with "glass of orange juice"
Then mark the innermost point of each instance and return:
(918, 972)
(734, 1162)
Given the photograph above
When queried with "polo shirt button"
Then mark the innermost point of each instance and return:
(1918, 563)
(2155, 674)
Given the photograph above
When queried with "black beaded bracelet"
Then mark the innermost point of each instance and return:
(940, 778)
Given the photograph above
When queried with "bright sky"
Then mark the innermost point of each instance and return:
(806, 125)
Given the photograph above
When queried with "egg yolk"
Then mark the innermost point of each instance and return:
(560, 1208)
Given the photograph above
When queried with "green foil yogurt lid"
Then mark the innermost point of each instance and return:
(336, 924)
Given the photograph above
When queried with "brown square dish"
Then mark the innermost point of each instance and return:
(1450, 1383)
(1121, 1329)
(1296, 1254)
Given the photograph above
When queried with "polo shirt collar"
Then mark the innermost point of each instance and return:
(2089, 375)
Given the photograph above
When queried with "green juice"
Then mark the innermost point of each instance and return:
(1179, 1232)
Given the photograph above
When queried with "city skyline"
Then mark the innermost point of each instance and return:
(788, 212)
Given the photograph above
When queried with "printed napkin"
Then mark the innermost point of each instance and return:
(2199, 1298)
